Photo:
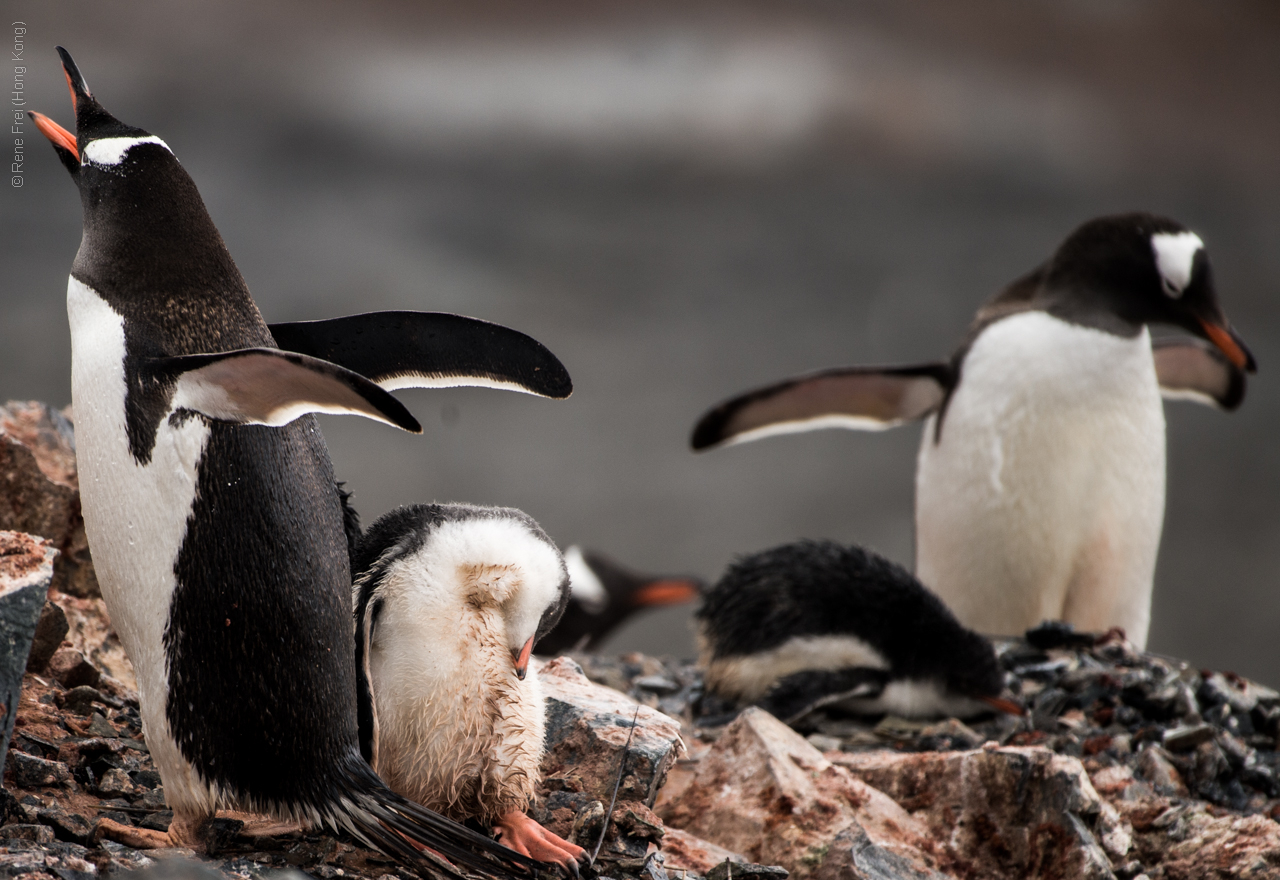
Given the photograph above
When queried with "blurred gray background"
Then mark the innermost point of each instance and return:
(684, 200)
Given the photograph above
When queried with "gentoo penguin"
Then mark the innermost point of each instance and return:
(1041, 474)
(210, 504)
(449, 602)
(815, 623)
(603, 595)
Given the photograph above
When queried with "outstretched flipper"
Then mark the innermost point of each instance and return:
(795, 696)
(430, 350)
(861, 398)
(265, 386)
(1189, 369)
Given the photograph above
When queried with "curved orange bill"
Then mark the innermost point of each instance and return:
(1000, 704)
(668, 592)
(58, 135)
(521, 660)
(1229, 345)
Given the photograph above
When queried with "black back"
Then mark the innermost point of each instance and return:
(821, 588)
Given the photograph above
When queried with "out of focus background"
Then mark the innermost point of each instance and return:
(684, 200)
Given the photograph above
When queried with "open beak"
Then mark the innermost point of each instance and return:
(56, 134)
(1231, 345)
(1000, 704)
(668, 592)
(521, 660)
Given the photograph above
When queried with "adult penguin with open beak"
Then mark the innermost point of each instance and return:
(209, 499)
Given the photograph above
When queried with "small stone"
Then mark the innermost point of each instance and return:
(685, 852)
(69, 667)
(115, 782)
(67, 826)
(659, 684)
(157, 821)
(220, 834)
(100, 726)
(824, 743)
(38, 833)
(51, 629)
(731, 870)
(80, 700)
(1155, 767)
(32, 772)
(1184, 739)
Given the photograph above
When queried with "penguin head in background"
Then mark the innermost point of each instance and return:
(604, 595)
(1141, 269)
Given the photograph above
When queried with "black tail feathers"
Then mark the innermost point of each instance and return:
(388, 822)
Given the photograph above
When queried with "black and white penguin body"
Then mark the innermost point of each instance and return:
(603, 595)
(1041, 472)
(815, 623)
(449, 602)
(210, 505)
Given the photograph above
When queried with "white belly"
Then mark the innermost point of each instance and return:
(1045, 497)
(135, 519)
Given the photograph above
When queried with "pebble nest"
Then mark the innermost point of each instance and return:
(77, 754)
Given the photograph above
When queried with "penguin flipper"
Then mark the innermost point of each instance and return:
(1189, 369)
(265, 386)
(796, 695)
(430, 350)
(861, 398)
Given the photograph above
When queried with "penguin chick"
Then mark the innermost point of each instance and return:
(449, 602)
(815, 623)
(604, 595)
(1040, 482)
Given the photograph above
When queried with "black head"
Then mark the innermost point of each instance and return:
(147, 236)
(1127, 270)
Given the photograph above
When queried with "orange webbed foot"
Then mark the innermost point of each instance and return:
(520, 833)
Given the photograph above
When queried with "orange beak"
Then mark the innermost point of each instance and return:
(1229, 345)
(58, 135)
(521, 660)
(1000, 704)
(671, 592)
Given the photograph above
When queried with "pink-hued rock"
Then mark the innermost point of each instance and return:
(1005, 812)
(1191, 840)
(684, 851)
(39, 491)
(765, 792)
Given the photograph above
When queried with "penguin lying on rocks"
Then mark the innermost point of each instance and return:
(817, 624)
(449, 601)
(209, 499)
(604, 595)
(1041, 475)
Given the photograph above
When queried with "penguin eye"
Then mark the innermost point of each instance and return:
(1170, 288)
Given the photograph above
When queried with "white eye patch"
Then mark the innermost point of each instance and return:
(111, 151)
(1175, 252)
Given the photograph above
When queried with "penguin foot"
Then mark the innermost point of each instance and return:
(138, 838)
(188, 830)
(527, 837)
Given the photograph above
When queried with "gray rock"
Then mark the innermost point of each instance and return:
(1184, 739)
(732, 870)
(34, 833)
(587, 729)
(26, 570)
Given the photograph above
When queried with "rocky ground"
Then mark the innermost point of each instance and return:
(1125, 765)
